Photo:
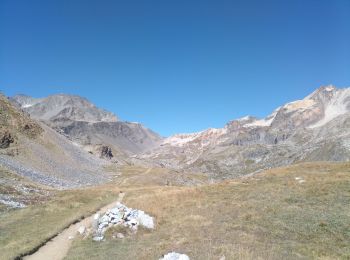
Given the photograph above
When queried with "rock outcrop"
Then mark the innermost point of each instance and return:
(121, 215)
(106, 152)
(175, 256)
(6, 139)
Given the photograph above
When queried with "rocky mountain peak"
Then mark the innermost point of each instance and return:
(300, 130)
(86, 124)
(323, 93)
(63, 106)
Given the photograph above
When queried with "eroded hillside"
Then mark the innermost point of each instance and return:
(37, 152)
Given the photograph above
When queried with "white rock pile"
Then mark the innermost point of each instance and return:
(299, 179)
(175, 256)
(121, 215)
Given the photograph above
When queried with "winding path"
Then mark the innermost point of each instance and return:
(57, 248)
(123, 182)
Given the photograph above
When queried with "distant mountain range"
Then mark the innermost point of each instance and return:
(315, 128)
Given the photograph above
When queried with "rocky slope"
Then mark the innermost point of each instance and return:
(89, 126)
(63, 106)
(313, 129)
(37, 152)
(14, 123)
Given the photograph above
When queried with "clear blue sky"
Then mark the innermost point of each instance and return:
(175, 65)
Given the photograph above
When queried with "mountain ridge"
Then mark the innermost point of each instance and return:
(93, 128)
(296, 131)
(313, 128)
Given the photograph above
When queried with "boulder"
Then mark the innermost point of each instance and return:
(6, 140)
(98, 238)
(122, 215)
(81, 230)
(175, 256)
(106, 152)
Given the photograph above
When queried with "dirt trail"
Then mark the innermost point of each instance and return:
(57, 248)
(123, 182)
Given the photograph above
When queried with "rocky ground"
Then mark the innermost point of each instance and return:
(53, 160)
(17, 192)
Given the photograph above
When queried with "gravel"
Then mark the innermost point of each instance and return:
(54, 161)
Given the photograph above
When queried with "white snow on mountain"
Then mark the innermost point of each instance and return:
(260, 122)
(339, 105)
(27, 105)
(299, 105)
(265, 121)
(246, 118)
(203, 136)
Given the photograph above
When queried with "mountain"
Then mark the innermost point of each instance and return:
(14, 124)
(63, 106)
(35, 151)
(88, 125)
(312, 129)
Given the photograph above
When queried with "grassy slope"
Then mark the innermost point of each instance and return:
(20, 189)
(21, 230)
(14, 121)
(270, 216)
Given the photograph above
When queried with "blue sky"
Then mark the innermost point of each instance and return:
(175, 66)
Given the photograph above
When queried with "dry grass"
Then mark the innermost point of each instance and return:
(20, 189)
(21, 230)
(135, 176)
(14, 121)
(24, 229)
(270, 216)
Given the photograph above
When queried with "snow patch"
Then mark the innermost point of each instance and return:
(300, 105)
(245, 118)
(267, 121)
(336, 107)
(27, 105)
(183, 139)
(261, 122)
(180, 139)
(330, 88)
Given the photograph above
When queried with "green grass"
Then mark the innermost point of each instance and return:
(24, 229)
(270, 216)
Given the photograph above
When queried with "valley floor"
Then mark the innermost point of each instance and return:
(299, 211)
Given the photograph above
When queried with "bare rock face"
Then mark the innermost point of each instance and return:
(14, 122)
(84, 123)
(106, 152)
(314, 128)
(63, 106)
(35, 151)
(6, 140)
